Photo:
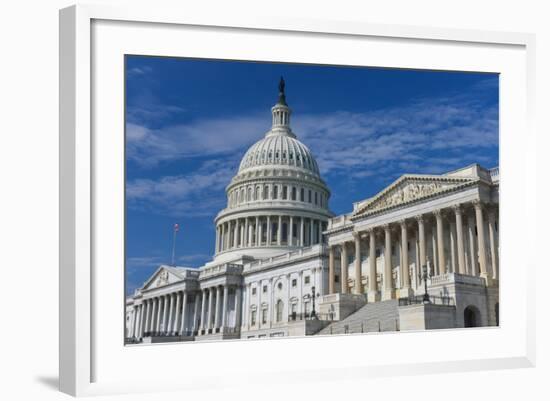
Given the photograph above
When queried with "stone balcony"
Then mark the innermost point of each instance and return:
(220, 270)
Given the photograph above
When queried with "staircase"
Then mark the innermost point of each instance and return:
(376, 316)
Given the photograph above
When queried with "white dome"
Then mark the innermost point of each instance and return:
(279, 150)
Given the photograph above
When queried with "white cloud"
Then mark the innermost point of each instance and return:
(428, 135)
(182, 195)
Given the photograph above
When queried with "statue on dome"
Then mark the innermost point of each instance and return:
(282, 97)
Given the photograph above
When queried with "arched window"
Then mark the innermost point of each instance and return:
(266, 192)
(315, 197)
(249, 194)
(275, 192)
(257, 193)
(285, 192)
(279, 310)
(293, 193)
(301, 194)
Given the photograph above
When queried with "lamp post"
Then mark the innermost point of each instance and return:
(426, 298)
(313, 314)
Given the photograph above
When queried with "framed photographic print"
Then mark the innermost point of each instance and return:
(268, 187)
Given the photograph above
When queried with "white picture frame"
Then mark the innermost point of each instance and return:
(84, 346)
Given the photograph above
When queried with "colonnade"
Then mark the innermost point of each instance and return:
(268, 230)
(459, 244)
(185, 313)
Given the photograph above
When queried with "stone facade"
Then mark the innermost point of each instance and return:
(280, 255)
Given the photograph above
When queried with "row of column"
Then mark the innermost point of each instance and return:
(268, 230)
(478, 266)
(166, 314)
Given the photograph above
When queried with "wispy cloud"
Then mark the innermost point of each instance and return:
(412, 138)
(187, 195)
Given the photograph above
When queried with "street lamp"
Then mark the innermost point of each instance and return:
(426, 298)
(313, 314)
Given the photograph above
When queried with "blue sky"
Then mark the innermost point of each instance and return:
(188, 123)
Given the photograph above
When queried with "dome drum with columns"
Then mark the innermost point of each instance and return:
(277, 200)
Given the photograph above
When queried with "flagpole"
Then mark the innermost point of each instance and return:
(174, 246)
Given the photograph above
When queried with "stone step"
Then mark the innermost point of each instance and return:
(377, 316)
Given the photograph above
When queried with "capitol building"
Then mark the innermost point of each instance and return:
(423, 253)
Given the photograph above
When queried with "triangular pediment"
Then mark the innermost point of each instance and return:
(163, 276)
(408, 189)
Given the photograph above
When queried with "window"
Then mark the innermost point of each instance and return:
(306, 307)
(264, 288)
(378, 253)
(293, 308)
(315, 197)
(253, 317)
(285, 192)
(293, 193)
(294, 282)
(266, 192)
(280, 286)
(309, 196)
(264, 316)
(275, 192)
(301, 194)
(336, 278)
(279, 310)
(254, 291)
(306, 279)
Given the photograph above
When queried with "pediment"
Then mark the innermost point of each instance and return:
(410, 188)
(162, 277)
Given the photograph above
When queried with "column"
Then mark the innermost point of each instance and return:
(268, 233)
(279, 230)
(473, 252)
(235, 234)
(310, 232)
(258, 232)
(217, 309)
(481, 241)
(291, 232)
(373, 294)
(246, 233)
(422, 242)
(224, 307)
(203, 310)
(138, 321)
(217, 248)
(250, 234)
(259, 239)
(210, 311)
(358, 289)
(331, 270)
(492, 242)
(344, 268)
(452, 245)
(301, 242)
(170, 314)
(133, 332)
(460, 240)
(440, 243)
(320, 223)
(177, 317)
(183, 312)
(165, 315)
(152, 326)
(159, 313)
(238, 308)
(388, 278)
(406, 283)
(196, 311)
(146, 323)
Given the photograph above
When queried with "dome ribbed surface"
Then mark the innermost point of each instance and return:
(279, 150)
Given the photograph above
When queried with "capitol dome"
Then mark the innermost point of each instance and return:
(279, 149)
(277, 201)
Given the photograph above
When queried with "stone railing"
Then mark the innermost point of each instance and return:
(456, 278)
(226, 268)
(339, 221)
(307, 251)
(494, 173)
